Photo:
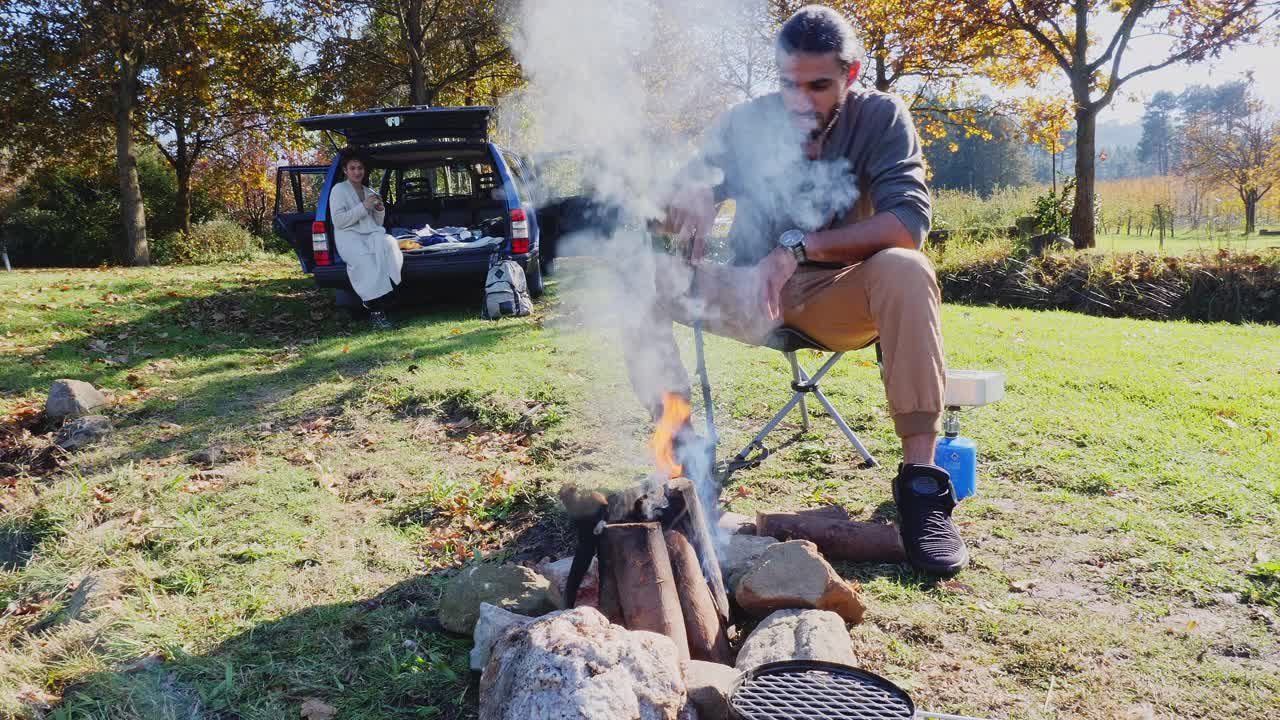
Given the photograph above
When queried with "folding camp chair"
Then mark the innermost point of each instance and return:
(789, 341)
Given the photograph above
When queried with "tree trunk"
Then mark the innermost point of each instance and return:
(182, 165)
(417, 79)
(132, 213)
(1250, 212)
(882, 74)
(1082, 222)
(184, 201)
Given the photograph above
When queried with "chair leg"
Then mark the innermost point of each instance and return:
(769, 426)
(798, 377)
(844, 428)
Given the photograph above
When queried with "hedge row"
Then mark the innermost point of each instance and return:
(1212, 287)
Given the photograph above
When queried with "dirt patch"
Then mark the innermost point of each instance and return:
(1078, 594)
(1196, 621)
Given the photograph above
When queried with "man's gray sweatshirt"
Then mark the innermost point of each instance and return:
(871, 162)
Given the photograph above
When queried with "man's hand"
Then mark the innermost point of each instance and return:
(690, 217)
(774, 271)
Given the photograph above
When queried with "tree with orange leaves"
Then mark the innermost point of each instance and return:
(925, 50)
(1078, 38)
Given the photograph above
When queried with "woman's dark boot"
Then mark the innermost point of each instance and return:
(378, 320)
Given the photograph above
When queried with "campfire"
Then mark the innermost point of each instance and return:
(656, 544)
(665, 554)
(658, 566)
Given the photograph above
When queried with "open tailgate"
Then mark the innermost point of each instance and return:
(382, 125)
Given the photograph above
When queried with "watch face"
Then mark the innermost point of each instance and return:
(791, 238)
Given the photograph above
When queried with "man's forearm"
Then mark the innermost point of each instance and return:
(859, 241)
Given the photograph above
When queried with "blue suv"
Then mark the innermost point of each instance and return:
(432, 166)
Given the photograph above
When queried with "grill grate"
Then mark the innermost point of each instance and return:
(811, 690)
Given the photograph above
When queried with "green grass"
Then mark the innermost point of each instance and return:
(1132, 473)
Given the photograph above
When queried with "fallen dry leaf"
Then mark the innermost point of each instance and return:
(101, 495)
(315, 709)
(37, 698)
(300, 457)
(1024, 586)
(330, 483)
(955, 586)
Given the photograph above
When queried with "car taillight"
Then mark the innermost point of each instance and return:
(319, 243)
(519, 231)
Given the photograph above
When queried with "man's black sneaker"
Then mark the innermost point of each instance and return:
(378, 320)
(925, 499)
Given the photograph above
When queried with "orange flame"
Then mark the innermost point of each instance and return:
(675, 413)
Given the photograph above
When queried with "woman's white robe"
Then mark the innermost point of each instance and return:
(373, 257)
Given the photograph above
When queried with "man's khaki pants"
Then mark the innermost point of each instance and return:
(892, 295)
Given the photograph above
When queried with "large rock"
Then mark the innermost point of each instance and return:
(574, 664)
(708, 685)
(732, 523)
(794, 575)
(741, 553)
(797, 635)
(510, 587)
(492, 624)
(83, 432)
(72, 398)
(558, 574)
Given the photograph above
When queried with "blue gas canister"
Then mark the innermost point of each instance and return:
(958, 456)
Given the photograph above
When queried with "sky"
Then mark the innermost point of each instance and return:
(1234, 63)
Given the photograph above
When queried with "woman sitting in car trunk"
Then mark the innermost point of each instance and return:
(373, 258)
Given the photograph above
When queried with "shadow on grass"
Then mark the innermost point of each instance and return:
(271, 337)
(385, 657)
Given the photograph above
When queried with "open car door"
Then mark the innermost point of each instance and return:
(298, 189)
(565, 207)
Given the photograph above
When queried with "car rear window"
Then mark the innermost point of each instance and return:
(451, 180)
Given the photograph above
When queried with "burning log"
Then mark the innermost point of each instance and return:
(838, 538)
(587, 511)
(609, 604)
(685, 513)
(702, 623)
(643, 582)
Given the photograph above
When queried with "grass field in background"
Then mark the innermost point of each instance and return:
(1186, 242)
(1129, 203)
(1124, 536)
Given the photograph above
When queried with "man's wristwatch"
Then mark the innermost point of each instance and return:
(793, 240)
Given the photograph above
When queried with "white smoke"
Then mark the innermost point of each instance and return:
(627, 87)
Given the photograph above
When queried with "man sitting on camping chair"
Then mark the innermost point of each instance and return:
(831, 212)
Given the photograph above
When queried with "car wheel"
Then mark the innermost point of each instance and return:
(533, 279)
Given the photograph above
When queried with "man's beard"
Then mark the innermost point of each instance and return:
(813, 124)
